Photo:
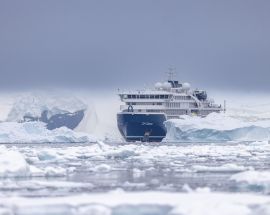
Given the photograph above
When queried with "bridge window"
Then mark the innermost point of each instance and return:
(162, 96)
(152, 96)
(142, 96)
(129, 96)
(134, 96)
(156, 96)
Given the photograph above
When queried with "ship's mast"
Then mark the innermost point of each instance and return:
(171, 73)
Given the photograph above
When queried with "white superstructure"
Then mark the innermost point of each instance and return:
(171, 98)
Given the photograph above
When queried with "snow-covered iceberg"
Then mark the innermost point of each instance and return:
(36, 132)
(55, 110)
(216, 127)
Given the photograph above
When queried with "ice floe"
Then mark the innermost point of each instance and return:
(223, 168)
(143, 203)
(13, 164)
(36, 132)
(102, 168)
(216, 127)
(253, 177)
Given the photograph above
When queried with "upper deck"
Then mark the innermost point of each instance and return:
(169, 97)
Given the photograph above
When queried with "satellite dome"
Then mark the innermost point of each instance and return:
(158, 85)
(186, 86)
(166, 85)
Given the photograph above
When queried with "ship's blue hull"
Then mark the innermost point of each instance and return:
(142, 127)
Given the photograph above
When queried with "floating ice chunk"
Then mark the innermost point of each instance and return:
(36, 172)
(12, 163)
(138, 173)
(155, 182)
(128, 184)
(102, 168)
(253, 177)
(216, 127)
(48, 154)
(95, 210)
(203, 190)
(121, 153)
(55, 171)
(60, 184)
(61, 209)
(36, 132)
(187, 188)
(195, 203)
(5, 211)
(223, 168)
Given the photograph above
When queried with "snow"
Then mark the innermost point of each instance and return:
(36, 132)
(216, 127)
(195, 203)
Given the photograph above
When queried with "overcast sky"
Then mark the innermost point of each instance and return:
(123, 43)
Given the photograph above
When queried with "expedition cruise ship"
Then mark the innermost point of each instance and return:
(143, 115)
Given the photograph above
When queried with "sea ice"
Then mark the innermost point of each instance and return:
(102, 168)
(253, 177)
(12, 163)
(36, 132)
(163, 203)
(55, 171)
(223, 168)
(216, 127)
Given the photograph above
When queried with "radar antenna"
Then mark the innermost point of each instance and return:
(171, 73)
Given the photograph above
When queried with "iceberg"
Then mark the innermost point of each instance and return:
(36, 132)
(54, 110)
(216, 127)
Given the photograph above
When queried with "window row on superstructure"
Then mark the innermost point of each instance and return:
(181, 105)
(145, 96)
(144, 103)
(182, 97)
(176, 112)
